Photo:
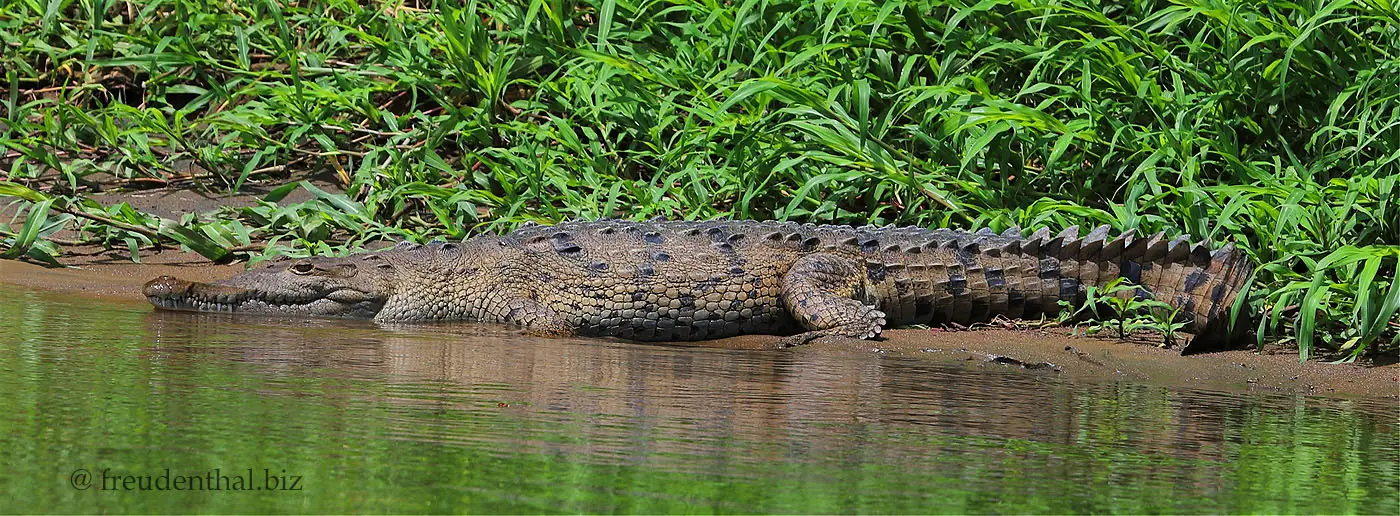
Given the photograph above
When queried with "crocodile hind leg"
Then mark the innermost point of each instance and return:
(538, 319)
(819, 291)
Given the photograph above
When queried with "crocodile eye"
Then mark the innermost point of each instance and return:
(302, 268)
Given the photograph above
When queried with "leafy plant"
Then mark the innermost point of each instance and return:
(1116, 306)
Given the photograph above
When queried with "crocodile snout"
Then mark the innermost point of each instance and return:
(166, 287)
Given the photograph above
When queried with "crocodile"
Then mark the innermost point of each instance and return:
(664, 280)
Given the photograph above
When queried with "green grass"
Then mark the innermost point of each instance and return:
(1273, 124)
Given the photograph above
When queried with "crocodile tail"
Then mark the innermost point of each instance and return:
(1202, 284)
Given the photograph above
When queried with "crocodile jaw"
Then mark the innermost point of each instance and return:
(170, 293)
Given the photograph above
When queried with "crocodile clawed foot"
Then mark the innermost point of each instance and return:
(859, 331)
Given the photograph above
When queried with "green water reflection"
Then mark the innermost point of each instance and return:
(462, 419)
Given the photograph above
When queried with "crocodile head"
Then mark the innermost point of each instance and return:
(355, 287)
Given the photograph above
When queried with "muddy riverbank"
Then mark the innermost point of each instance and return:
(1051, 351)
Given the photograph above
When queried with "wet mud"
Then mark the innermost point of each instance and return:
(1052, 351)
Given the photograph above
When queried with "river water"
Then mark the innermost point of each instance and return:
(111, 407)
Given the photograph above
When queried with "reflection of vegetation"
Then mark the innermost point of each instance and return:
(192, 395)
(1270, 123)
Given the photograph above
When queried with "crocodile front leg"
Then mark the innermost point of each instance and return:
(819, 291)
